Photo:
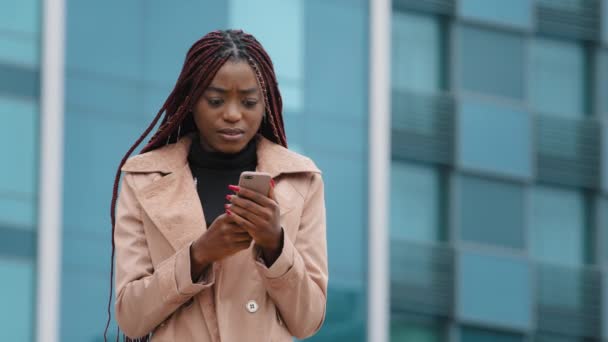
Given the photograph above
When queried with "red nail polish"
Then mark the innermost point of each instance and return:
(228, 197)
(234, 188)
(228, 212)
(272, 183)
(226, 206)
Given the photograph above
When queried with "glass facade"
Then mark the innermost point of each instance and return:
(517, 94)
(19, 139)
(117, 78)
(498, 191)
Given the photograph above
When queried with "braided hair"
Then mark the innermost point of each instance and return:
(203, 60)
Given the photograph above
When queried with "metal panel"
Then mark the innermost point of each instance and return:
(446, 7)
(422, 127)
(568, 151)
(579, 19)
(568, 301)
(421, 279)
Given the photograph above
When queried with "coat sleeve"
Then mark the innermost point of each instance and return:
(147, 295)
(297, 280)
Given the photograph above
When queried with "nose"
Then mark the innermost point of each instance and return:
(232, 112)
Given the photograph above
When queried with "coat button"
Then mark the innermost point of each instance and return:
(252, 306)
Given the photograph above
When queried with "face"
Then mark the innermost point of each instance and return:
(230, 111)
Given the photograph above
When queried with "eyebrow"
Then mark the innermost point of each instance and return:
(224, 91)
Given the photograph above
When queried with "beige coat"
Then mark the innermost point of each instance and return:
(238, 299)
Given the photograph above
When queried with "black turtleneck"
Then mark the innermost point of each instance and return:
(214, 171)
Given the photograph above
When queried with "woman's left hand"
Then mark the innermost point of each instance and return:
(260, 216)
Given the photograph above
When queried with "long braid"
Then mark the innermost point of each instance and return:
(202, 62)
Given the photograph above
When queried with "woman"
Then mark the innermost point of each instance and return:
(197, 257)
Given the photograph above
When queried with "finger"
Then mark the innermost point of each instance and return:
(271, 192)
(248, 205)
(247, 215)
(252, 195)
(240, 220)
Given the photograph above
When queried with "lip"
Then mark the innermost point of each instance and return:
(231, 134)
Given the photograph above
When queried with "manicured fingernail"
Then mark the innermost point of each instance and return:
(272, 183)
(226, 206)
(228, 212)
(234, 188)
(229, 197)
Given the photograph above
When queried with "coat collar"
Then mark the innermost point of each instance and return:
(272, 158)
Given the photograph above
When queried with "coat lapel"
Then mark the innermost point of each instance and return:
(172, 203)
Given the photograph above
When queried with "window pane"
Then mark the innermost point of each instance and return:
(491, 62)
(18, 147)
(482, 277)
(605, 21)
(557, 77)
(416, 199)
(285, 46)
(513, 12)
(482, 335)
(416, 61)
(491, 212)
(603, 75)
(404, 331)
(557, 226)
(495, 138)
(17, 298)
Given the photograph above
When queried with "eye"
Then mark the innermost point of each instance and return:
(215, 102)
(250, 103)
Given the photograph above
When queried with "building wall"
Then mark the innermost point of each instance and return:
(20, 112)
(498, 196)
(117, 78)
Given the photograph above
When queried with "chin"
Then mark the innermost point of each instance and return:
(230, 148)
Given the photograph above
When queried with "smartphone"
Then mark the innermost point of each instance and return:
(256, 181)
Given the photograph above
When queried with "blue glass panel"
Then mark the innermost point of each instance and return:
(17, 242)
(416, 60)
(603, 77)
(495, 139)
(20, 51)
(105, 38)
(605, 21)
(516, 13)
(91, 160)
(604, 159)
(22, 16)
(557, 226)
(17, 298)
(81, 322)
(408, 332)
(603, 222)
(483, 335)
(491, 212)
(19, 149)
(494, 289)
(170, 28)
(415, 203)
(285, 46)
(336, 59)
(491, 62)
(557, 77)
(21, 82)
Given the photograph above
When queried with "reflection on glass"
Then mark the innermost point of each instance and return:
(558, 226)
(557, 77)
(491, 212)
(416, 59)
(416, 203)
(491, 62)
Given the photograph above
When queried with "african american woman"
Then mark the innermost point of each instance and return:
(197, 257)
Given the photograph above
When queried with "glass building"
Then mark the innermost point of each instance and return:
(497, 179)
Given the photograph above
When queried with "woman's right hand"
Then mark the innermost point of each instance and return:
(222, 239)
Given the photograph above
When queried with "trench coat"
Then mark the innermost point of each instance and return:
(239, 298)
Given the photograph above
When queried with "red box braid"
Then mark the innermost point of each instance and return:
(203, 60)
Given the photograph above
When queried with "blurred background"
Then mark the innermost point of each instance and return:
(499, 155)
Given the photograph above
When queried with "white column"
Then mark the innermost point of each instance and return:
(379, 169)
(51, 170)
